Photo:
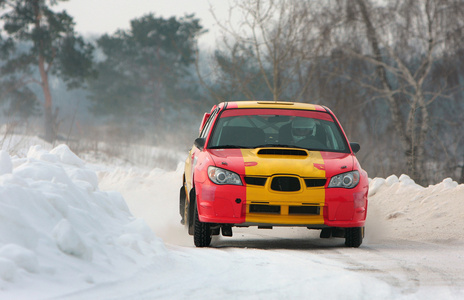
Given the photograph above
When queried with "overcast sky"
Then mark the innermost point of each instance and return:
(106, 16)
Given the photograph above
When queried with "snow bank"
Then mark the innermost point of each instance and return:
(400, 208)
(59, 232)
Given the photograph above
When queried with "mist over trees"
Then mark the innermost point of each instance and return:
(34, 39)
(145, 76)
(275, 59)
(392, 71)
(378, 65)
(404, 50)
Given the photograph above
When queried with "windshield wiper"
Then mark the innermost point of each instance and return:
(278, 145)
(228, 147)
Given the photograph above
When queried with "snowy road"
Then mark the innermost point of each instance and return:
(260, 265)
(283, 263)
(415, 269)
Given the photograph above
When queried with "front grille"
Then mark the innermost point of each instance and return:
(260, 208)
(315, 182)
(285, 184)
(282, 152)
(255, 180)
(304, 210)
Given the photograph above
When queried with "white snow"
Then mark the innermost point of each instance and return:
(6, 166)
(59, 232)
(68, 231)
(412, 212)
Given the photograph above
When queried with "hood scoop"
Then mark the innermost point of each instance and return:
(273, 151)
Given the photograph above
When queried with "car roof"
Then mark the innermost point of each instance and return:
(273, 104)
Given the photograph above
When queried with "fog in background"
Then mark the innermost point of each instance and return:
(393, 73)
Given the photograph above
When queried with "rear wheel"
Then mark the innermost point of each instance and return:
(354, 236)
(202, 232)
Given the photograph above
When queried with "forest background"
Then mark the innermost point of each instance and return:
(392, 72)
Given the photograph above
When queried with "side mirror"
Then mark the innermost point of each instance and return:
(200, 143)
(355, 147)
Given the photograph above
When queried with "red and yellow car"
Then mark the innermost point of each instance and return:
(265, 164)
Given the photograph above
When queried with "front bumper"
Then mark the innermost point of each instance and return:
(314, 207)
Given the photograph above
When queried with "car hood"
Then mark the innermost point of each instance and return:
(271, 161)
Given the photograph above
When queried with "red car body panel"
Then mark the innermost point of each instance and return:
(236, 204)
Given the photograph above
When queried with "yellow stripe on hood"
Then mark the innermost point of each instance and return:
(271, 164)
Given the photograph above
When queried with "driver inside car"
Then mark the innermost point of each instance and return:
(302, 131)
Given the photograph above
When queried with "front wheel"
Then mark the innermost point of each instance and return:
(202, 232)
(354, 236)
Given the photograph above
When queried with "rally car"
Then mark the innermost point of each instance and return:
(267, 163)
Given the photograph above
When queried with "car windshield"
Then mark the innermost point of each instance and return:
(256, 128)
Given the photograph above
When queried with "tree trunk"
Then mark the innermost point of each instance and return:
(50, 119)
(49, 125)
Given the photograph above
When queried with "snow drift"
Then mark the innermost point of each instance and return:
(59, 232)
(401, 209)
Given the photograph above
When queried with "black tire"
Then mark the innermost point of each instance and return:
(182, 199)
(202, 232)
(354, 237)
(326, 233)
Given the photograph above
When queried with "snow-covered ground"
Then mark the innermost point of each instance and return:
(74, 229)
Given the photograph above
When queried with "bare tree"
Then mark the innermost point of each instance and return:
(272, 48)
(402, 40)
(355, 56)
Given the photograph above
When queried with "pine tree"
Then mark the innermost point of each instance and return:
(53, 48)
(146, 69)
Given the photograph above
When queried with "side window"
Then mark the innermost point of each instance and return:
(204, 133)
(335, 138)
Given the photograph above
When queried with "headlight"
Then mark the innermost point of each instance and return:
(346, 180)
(221, 176)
